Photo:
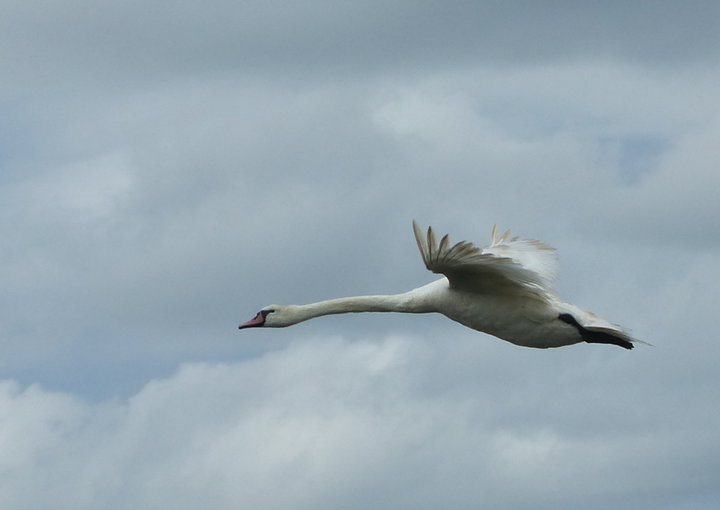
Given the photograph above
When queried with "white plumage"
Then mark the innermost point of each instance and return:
(504, 290)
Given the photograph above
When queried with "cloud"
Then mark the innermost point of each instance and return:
(169, 169)
(159, 229)
(387, 423)
(129, 45)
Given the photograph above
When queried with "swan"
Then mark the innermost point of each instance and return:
(504, 290)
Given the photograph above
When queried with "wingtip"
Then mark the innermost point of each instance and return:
(421, 243)
(416, 229)
(418, 234)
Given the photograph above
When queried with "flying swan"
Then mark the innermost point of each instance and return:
(504, 290)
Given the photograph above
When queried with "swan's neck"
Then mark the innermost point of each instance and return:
(384, 303)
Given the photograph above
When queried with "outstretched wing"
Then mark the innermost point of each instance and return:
(506, 266)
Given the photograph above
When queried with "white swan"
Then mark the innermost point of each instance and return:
(504, 290)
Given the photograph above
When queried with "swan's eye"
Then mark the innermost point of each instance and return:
(265, 313)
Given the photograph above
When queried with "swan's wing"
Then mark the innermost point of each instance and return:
(508, 265)
(532, 254)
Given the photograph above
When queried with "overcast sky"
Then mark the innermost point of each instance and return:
(168, 168)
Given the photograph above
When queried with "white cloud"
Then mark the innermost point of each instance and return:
(330, 423)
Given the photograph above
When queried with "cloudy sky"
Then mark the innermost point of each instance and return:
(168, 168)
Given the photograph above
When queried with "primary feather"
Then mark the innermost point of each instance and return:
(525, 265)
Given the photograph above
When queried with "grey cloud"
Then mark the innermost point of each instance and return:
(166, 172)
(191, 209)
(140, 42)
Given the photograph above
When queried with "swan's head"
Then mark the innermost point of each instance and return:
(272, 316)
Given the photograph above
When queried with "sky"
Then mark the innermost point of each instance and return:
(169, 168)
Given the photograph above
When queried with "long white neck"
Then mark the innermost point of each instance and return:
(384, 303)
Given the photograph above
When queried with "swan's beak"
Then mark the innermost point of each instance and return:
(255, 322)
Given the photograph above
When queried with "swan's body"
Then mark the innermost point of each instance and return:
(504, 290)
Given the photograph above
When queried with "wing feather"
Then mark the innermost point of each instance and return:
(508, 265)
(534, 255)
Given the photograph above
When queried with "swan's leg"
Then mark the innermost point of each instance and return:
(595, 337)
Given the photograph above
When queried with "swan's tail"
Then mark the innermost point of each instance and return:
(602, 335)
